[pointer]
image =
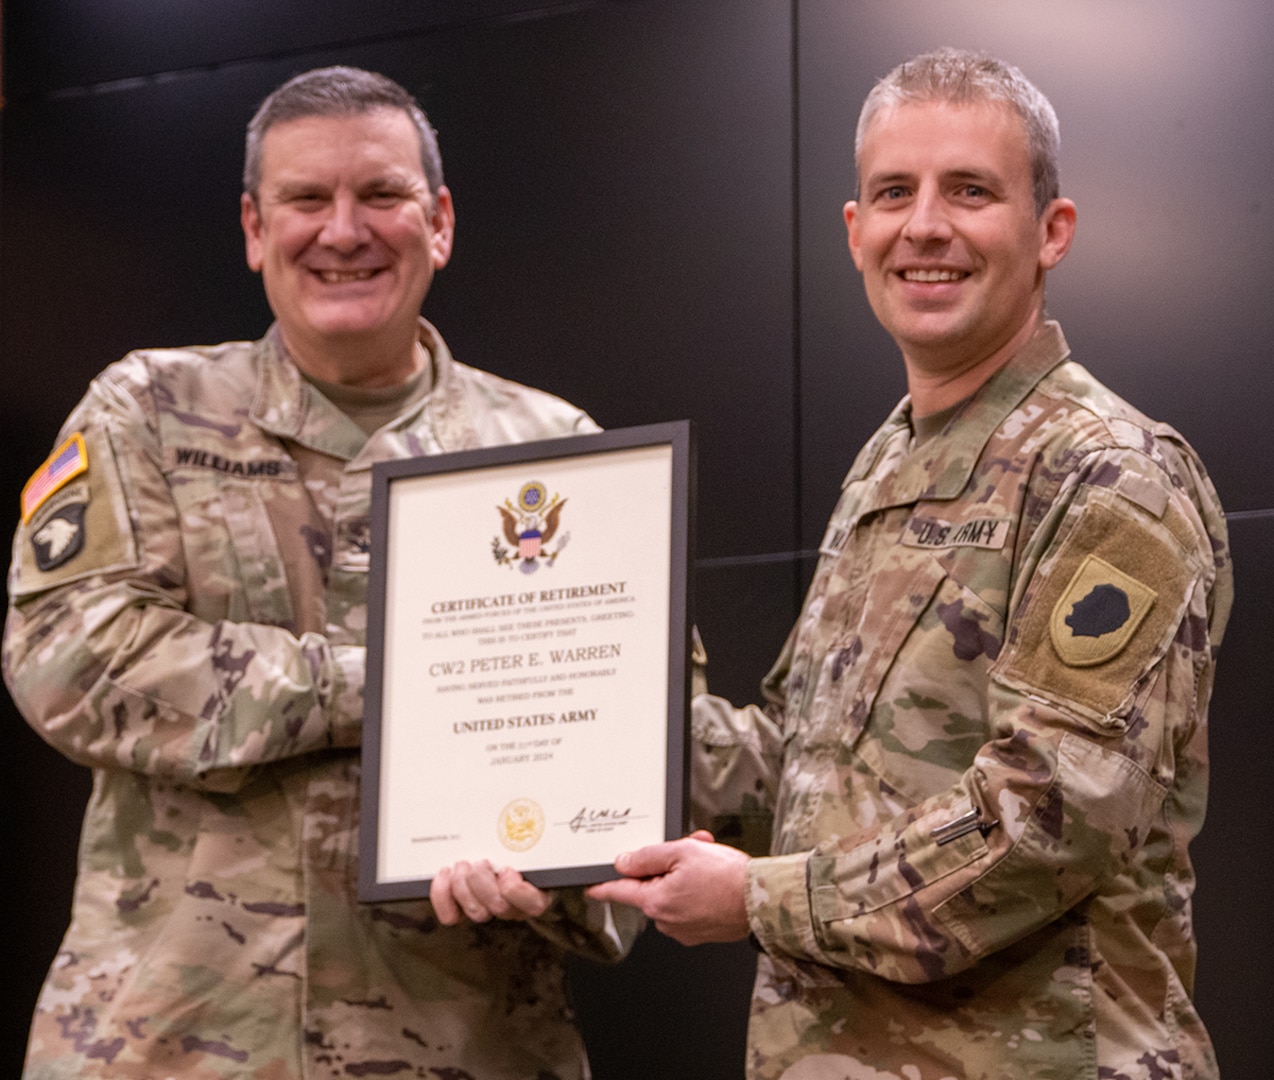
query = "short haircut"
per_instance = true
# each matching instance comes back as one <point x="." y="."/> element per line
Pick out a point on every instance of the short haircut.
<point x="337" y="91"/>
<point x="959" y="76"/>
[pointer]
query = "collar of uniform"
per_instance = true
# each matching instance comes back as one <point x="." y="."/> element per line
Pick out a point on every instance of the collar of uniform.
<point x="287" y="405"/>
<point x="940" y="468"/>
<point x="440" y="423"/>
<point x="446" y="406"/>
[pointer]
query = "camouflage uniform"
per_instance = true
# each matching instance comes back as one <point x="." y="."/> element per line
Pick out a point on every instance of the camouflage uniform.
<point x="202" y="649"/>
<point x="984" y="751"/>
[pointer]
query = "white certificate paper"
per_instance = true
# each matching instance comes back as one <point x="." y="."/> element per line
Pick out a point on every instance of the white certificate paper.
<point x="526" y="685"/>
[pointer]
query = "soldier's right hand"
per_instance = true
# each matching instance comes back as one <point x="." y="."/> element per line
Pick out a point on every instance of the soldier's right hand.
<point x="478" y="892"/>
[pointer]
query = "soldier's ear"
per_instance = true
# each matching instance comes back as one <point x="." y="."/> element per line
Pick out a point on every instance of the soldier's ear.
<point x="250" y="219"/>
<point x="851" y="224"/>
<point x="1057" y="230"/>
<point x="443" y="224"/>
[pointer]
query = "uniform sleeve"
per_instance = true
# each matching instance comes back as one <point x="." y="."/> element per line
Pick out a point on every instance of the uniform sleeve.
<point x="735" y="755"/>
<point x="1097" y="713"/>
<point x="100" y="652"/>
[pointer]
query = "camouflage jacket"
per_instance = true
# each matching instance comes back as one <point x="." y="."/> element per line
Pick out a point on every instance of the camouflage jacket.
<point x="984" y="751"/>
<point x="187" y="617"/>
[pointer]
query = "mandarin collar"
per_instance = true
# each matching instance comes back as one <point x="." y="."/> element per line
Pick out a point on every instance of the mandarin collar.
<point x="940" y="469"/>
<point x="286" y="404"/>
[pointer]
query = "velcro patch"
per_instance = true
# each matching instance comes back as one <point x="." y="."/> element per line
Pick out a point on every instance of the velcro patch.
<point x="65" y="463"/>
<point x="1072" y="643"/>
<point x="81" y="527"/>
<point x="1098" y="613"/>
<point x="929" y="532"/>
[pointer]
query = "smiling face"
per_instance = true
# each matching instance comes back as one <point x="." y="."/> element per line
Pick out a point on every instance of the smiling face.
<point x="945" y="233"/>
<point x="347" y="237"/>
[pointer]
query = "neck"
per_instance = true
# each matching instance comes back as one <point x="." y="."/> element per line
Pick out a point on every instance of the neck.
<point x="358" y="362"/>
<point x="937" y="383"/>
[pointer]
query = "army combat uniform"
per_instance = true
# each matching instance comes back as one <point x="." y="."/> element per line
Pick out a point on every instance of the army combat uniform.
<point x="187" y="617"/>
<point x="984" y="752"/>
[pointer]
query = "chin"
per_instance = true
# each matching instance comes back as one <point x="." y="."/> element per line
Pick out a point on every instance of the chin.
<point x="346" y="324"/>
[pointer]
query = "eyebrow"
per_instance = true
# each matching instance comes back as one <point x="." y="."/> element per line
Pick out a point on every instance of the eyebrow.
<point x="984" y="176"/>
<point x="290" y="188"/>
<point x="391" y="180"/>
<point x="293" y="187"/>
<point x="888" y="179"/>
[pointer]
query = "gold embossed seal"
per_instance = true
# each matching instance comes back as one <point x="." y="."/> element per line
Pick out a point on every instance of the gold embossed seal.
<point x="521" y="824"/>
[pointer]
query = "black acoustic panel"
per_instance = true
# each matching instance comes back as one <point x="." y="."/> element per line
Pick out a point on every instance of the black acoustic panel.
<point x="119" y="218"/>
<point x="1163" y="293"/>
<point x="1235" y="982"/>
<point x="744" y="613"/>
<point x="42" y="798"/>
<point x="622" y="178"/>
<point x="667" y="1011"/>
<point x="624" y="232"/>
<point x="71" y="46"/>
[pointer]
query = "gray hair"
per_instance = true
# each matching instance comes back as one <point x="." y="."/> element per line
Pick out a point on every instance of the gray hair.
<point x="959" y="77"/>
<point x="337" y="91"/>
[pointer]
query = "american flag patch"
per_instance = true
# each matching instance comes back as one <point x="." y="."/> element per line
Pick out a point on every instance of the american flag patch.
<point x="64" y="465"/>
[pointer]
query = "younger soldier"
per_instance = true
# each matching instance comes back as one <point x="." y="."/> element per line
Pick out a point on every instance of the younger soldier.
<point x="984" y="745"/>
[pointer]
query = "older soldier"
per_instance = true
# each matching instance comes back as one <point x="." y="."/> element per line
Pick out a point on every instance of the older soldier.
<point x="984" y="744"/>
<point x="187" y="618"/>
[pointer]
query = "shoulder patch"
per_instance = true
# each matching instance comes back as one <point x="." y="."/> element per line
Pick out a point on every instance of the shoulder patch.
<point x="79" y="521"/>
<point x="1102" y="608"/>
<point x="1098" y="613"/>
<point x="65" y="463"/>
<point x="61" y="536"/>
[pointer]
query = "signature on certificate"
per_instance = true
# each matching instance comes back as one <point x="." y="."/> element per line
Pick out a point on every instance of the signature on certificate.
<point x="599" y="820"/>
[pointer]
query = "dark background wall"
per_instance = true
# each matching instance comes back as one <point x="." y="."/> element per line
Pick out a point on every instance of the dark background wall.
<point x="649" y="199"/>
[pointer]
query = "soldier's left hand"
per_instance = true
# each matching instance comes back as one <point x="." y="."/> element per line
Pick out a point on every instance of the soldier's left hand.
<point x="479" y="892"/>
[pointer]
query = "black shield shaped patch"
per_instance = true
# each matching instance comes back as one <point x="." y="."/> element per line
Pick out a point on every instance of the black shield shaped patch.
<point x="60" y="538"/>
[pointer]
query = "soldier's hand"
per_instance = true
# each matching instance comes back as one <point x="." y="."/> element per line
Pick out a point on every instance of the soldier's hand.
<point x="478" y="892"/>
<point x="692" y="888"/>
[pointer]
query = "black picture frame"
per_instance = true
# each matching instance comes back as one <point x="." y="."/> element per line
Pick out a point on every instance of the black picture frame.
<point x="589" y="453"/>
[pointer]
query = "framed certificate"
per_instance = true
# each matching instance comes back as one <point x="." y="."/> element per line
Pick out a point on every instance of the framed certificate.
<point x="527" y="658"/>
